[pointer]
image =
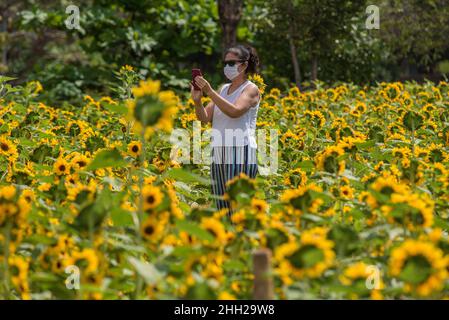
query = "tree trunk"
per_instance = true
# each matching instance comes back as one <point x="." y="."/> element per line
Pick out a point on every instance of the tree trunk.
<point x="230" y="13"/>
<point x="314" y="67"/>
<point x="3" y="29"/>
<point x="295" y="62"/>
<point x="293" y="52"/>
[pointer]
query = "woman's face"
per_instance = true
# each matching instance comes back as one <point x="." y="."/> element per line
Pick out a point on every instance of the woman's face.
<point x="230" y="56"/>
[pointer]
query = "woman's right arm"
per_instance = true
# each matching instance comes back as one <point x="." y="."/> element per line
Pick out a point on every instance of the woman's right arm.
<point x="203" y="114"/>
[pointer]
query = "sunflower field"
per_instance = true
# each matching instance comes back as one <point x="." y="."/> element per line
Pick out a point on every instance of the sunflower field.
<point x="358" y="208"/>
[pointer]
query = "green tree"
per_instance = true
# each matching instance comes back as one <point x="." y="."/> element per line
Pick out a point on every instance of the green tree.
<point x="415" y="32"/>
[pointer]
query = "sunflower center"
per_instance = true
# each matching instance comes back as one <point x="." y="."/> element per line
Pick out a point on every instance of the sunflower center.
<point x="212" y="231"/>
<point x="149" y="230"/>
<point x="4" y="147"/>
<point x="416" y="270"/>
<point x="135" y="148"/>
<point x="14" y="271"/>
<point x="306" y="257"/>
<point x="387" y="190"/>
<point x="150" y="199"/>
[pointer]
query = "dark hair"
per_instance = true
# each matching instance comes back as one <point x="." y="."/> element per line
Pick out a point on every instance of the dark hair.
<point x="246" y="53"/>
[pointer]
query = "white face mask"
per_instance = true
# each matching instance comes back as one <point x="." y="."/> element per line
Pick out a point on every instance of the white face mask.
<point x="231" y="72"/>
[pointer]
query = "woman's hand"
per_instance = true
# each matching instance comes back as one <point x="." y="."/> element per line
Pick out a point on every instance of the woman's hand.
<point x="196" y="94"/>
<point x="203" y="84"/>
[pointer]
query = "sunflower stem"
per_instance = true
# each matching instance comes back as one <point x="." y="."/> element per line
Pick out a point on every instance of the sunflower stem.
<point x="413" y="158"/>
<point x="7" y="236"/>
<point x="139" y="280"/>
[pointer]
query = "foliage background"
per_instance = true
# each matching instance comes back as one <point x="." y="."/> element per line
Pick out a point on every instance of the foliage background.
<point x="165" y="39"/>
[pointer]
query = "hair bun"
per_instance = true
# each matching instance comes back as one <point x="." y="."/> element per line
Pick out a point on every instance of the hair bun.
<point x="247" y="53"/>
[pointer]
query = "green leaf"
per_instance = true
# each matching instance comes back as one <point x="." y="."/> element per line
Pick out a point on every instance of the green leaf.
<point x="116" y="108"/>
<point x="107" y="158"/>
<point x="412" y="120"/>
<point x="306" y="165"/>
<point x="185" y="176"/>
<point x="306" y="257"/>
<point x="121" y="218"/>
<point x="416" y="270"/>
<point x="201" y="291"/>
<point x="147" y="271"/>
<point x="366" y="144"/>
<point x="183" y="251"/>
<point x="193" y="229"/>
<point x="4" y="78"/>
<point x="234" y="265"/>
<point x="439" y="222"/>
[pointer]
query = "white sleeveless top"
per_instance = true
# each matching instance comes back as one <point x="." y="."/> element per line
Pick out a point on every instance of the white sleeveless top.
<point x="227" y="131"/>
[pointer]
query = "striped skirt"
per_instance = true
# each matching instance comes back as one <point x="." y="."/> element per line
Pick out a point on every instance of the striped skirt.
<point x="228" y="162"/>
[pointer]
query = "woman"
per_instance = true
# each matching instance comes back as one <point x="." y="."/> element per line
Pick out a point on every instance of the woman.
<point x="233" y="113"/>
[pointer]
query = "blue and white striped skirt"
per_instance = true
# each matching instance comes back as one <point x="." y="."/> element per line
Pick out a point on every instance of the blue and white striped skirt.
<point x="228" y="162"/>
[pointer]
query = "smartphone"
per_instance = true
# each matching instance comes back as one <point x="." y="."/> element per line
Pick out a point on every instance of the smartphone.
<point x="196" y="73"/>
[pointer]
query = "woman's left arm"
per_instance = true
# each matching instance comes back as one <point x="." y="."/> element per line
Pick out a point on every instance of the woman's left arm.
<point x="249" y="98"/>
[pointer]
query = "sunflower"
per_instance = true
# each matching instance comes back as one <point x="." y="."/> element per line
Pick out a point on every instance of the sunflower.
<point x="59" y="261"/>
<point x="289" y="136"/>
<point x="216" y="229"/>
<point x="315" y="117"/>
<point x="332" y="94"/>
<point x="368" y="198"/>
<point x="135" y="148"/>
<point x="294" y="92"/>
<point x="61" y="167"/>
<point x="79" y="162"/>
<point x="8" y="149"/>
<point x="296" y="177"/>
<point x="77" y="128"/>
<point x="346" y="192"/>
<point x="420" y="265"/>
<point x="174" y="202"/>
<point x="28" y="195"/>
<point x="238" y="219"/>
<point x="391" y="92"/>
<point x="152" y="197"/>
<point x="287" y="102"/>
<point x="356" y="276"/>
<point x="349" y="144"/>
<point x="18" y="267"/>
<point x="241" y="188"/>
<point x="186" y="238"/>
<point x="259" y="206"/>
<point x="259" y="82"/>
<point x="151" y="229"/>
<point x="387" y="185"/>
<point x="79" y="193"/>
<point x="87" y="259"/>
<point x="152" y="109"/>
<point x="302" y="198"/>
<point x="13" y="207"/>
<point x="72" y="180"/>
<point x="436" y="153"/>
<point x="328" y="160"/>
<point x="410" y="209"/>
<point x="213" y="266"/>
<point x="275" y="92"/>
<point x="8" y="192"/>
<point x="308" y="257"/>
